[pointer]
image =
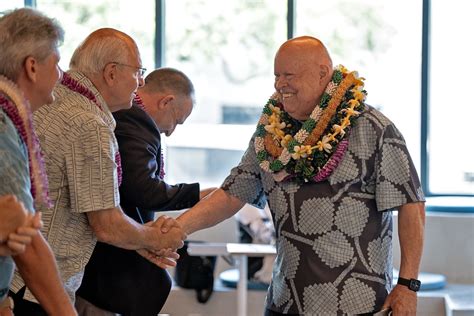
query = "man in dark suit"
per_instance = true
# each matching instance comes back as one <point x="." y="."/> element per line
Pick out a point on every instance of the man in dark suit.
<point x="165" y="101"/>
<point x="119" y="280"/>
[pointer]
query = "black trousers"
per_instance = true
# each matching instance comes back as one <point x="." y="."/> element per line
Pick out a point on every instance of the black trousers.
<point x="122" y="281"/>
<point x="24" y="307"/>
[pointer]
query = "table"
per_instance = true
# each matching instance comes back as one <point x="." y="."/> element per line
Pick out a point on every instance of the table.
<point x="241" y="252"/>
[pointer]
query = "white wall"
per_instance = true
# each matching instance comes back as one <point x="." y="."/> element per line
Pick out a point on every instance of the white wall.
<point x="448" y="247"/>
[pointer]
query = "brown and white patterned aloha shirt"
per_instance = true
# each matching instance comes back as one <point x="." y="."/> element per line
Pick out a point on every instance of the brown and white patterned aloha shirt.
<point x="334" y="238"/>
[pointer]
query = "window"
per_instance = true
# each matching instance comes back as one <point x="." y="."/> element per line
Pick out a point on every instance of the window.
<point x="10" y="5"/>
<point x="370" y="37"/>
<point x="226" y="48"/>
<point x="81" y="17"/>
<point x="450" y="147"/>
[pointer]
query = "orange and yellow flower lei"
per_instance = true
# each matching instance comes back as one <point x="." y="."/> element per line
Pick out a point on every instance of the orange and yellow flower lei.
<point x="307" y="153"/>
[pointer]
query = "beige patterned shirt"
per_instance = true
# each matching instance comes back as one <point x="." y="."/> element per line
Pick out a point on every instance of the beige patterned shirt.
<point x="79" y="147"/>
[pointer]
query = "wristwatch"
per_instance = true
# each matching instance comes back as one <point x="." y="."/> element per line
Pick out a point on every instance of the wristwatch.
<point x="412" y="284"/>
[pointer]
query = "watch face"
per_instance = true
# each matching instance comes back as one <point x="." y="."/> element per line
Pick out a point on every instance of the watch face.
<point x="414" y="285"/>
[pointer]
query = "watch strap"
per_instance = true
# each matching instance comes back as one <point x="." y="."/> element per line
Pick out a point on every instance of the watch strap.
<point x="412" y="284"/>
<point x="403" y="281"/>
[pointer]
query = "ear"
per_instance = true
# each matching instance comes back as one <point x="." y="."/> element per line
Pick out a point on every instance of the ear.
<point x="31" y="68"/>
<point x="165" y="101"/>
<point x="110" y="74"/>
<point x="323" y="71"/>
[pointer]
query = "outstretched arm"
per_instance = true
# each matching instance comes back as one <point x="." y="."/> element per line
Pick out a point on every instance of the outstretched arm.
<point x="411" y="225"/>
<point x="216" y="207"/>
<point x="205" y="192"/>
<point x="112" y="226"/>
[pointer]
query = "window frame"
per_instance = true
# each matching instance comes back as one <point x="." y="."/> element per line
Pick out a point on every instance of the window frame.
<point x="159" y="47"/>
<point x="425" y="106"/>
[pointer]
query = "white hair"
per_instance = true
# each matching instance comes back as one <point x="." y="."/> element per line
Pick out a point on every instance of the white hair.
<point x="26" y="32"/>
<point x="101" y="47"/>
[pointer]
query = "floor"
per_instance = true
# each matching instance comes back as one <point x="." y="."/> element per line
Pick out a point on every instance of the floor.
<point x="453" y="300"/>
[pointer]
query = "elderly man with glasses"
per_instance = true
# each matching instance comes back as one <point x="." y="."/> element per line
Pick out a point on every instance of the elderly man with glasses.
<point x="165" y="101"/>
<point x="82" y="159"/>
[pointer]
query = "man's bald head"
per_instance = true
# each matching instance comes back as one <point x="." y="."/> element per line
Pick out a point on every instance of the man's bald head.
<point x="308" y="47"/>
<point x="111" y="60"/>
<point x="101" y="47"/>
<point x="303" y="68"/>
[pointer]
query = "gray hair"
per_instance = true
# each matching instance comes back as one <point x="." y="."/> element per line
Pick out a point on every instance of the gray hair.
<point x="169" y="80"/>
<point x="26" y="32"/>
<point x="102" y="47"/>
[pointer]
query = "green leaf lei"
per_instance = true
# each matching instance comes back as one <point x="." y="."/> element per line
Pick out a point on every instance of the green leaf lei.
<point x="312" y="152"/>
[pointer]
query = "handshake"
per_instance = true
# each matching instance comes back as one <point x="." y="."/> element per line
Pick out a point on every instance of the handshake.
<point x="17" y="226"/>
<point x="167" y="236"/>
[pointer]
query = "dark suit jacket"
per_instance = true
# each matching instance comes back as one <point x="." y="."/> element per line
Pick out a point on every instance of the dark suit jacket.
<point x="120" y="280"/>
<point x="140" y="149"/>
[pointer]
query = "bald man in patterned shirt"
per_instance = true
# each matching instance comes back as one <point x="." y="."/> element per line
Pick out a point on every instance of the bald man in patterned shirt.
<point x="333" y="170"/>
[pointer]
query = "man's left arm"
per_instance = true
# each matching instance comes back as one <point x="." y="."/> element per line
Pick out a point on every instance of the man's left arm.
<point x="411" y="225"/>
<point x="38" y="269"/>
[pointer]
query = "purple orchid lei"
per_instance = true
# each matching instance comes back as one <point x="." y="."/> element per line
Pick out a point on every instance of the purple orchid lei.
<point x="139" y="102"/>
<point x="24" y="126"/>
<point x="333" y="162"/>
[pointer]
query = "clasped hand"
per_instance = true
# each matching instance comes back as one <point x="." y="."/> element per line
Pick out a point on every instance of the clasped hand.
<point x="169" y="237"/>
<point x="17" y="226"/>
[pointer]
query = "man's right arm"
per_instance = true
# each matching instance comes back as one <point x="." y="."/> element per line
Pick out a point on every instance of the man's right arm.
<point x="216" y="207"/>
<point x="112" y="226"/>
<point x="205" y="192"/>
<point x="221" y="204"/>
<point x="38" y="269"/>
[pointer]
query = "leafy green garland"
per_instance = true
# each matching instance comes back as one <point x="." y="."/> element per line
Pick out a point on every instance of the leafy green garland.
<point x="313" y="151"/>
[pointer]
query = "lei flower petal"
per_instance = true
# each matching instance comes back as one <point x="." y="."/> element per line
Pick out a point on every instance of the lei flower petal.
<point x="313" y="152"/>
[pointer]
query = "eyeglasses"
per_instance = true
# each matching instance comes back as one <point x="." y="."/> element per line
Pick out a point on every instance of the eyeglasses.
<point x="140" y="70"/>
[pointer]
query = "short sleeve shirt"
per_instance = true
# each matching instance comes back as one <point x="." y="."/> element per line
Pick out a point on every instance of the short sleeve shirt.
<point x="14" y="179"/>
<point x="334" y="238"/>
<point x="79" y="148"/>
